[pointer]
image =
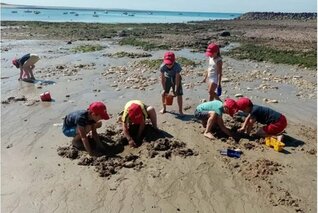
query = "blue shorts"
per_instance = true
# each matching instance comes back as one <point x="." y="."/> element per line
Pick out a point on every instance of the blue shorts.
<point x="204" y="115"/>
<point x="69" y="131"/>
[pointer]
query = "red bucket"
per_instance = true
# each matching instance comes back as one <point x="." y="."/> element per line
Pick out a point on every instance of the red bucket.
<point x="46" y="96"/>
<point x="169" y="99"/>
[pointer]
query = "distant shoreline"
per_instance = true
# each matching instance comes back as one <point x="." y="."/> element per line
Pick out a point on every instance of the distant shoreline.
<point x="4" y="5"/>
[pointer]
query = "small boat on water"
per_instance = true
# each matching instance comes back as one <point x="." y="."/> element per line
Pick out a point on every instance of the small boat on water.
<point x="37" y="12"/>
<point x="76" y="14"/>
<point x="131" y="14"/>
<point x="125" y="13"/>
<point x="28" y="11"/>
<point x="65" y="13"/>
<point x="95" y="15"/>
<point x="72" y="12"/>
<point x="14" y="11"/>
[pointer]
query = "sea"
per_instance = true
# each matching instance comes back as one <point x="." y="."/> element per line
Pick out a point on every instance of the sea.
<point x="108" y="16"/>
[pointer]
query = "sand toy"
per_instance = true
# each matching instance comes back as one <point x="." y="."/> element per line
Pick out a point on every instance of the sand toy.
<point x="273" y="142"/>
<point x="169" y="99"/>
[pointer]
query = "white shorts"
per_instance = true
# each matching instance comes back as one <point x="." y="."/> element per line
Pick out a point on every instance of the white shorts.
<point x="213" y="79"/>
<point x="32" y="60"/>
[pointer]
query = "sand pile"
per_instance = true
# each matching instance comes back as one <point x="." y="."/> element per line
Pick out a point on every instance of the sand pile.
<point x="112" y="159"/>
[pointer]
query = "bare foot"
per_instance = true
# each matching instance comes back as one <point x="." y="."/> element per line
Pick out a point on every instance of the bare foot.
<point x="163" y="111"/>
<point x="208" y="135"/>
<point x="181" y="113"/>
<point x="280" y="138"/>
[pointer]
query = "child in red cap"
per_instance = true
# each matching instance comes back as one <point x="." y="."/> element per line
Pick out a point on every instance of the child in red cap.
<point x="171" y="79"/>
<point x="210" y="113"/>
<point x="26" y="66"/>
<point x="80" y="123"/>
<point x="275" y="122"/>
<point x="214" y="72"/>
<point x="136" y="112"/>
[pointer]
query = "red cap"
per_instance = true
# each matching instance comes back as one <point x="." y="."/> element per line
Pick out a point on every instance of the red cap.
<point x="243" y="103"/>
<point x="212" y="48"/>
<point x="99" y="108"/>
<point x="169" y="58"/>
<point x="135" y="113"/>
<point x="231" y="105"/>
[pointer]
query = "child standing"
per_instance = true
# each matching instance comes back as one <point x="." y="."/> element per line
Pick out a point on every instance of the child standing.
<point x="210" y="113"/>
<point x="171" y="78"/>
<point x="136" y="112"/>
<point x="275" y="122"/>
<point x="80" y="123"/>
<point x="26" y="65"/>
<point x="214" y="72"/>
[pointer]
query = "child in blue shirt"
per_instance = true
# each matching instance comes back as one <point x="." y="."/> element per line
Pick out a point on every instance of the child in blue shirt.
<point x="79" y="123"/>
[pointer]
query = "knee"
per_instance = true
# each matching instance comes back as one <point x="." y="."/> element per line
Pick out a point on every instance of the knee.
<point x="150" y="109"/>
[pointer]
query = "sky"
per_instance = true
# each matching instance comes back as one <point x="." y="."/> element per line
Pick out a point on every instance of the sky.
<point x="240" y="6"/>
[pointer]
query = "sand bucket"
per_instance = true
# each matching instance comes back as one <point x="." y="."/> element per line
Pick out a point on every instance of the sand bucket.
<point x="46" y="96"/>
<point x="169" y="99"/>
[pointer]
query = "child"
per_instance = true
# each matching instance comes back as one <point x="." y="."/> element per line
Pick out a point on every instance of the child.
<point x="136" y="112"/>
<point x="79" y="123"/>
<point x="26" y="65"/>
<point x="275" y="122"/>
<point x="210" y="113"/>
<point x="171" y="78"/>
<point x="214" y="73"/>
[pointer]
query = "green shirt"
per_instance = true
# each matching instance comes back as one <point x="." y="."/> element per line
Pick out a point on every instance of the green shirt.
<point x="216" y="106"/>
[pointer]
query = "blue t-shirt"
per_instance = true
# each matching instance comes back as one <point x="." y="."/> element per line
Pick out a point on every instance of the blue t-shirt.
<point x="264" y="115"/>
<point x="216" y="106"/>
<point x="23" y="59"/>
<point x="170" y="73"/>
<point x="78" y="118"/>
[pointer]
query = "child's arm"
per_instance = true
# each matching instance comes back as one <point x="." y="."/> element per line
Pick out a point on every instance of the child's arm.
<point x="21" y="73"/>
<point x="224" y="128"/>
<point x="131" y="141"/>
<point x="205" y="76"/>
<point x="82" y="133"/>
<point x="219" y="70"/>
<point x="244" y="126"/>
<point x="163" y="81"/>
<point x="95" y="135"/>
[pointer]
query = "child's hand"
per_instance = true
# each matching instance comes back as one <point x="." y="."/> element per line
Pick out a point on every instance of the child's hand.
<point x="241" y="129"/>
<point x="132" y="143"/>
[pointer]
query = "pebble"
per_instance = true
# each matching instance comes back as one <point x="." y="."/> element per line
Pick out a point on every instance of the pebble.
<point x="238" y="95"/>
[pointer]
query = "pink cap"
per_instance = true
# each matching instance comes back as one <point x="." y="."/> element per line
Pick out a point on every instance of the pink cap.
<point x="135" y="113"/>
<point x="212" y="48"/>
<point x="99" y="108"/>
<point x="169" y="58"/>
<point x="231" y="105"/>
<point x="243" y="103"/>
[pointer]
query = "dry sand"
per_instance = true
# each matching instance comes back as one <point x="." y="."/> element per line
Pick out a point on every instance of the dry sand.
<point x="36" y="179"/>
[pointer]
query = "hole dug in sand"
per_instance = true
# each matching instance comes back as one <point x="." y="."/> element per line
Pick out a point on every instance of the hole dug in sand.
<point x="113" y="159"/>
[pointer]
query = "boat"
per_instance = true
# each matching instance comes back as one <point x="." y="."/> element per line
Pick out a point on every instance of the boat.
<point x="65" y="13"/>
<point x="28" y="11"/>
<point x="37" y="12"/>
<point x="14" y="11"/>
<point x="125" y="13"/>
<point x="72" y="12"/>
<point x="95" y="15"/>
<point x="131" y="14"/>
<point x="76" y="14"/>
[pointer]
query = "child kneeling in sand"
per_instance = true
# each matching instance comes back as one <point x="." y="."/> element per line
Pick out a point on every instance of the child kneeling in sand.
<point x="26" y="65"/>
<point x="80" y="123"/>
<point x="136" y="112"/>
<point x="210" y="113"/>
<point x="275" y="122"/>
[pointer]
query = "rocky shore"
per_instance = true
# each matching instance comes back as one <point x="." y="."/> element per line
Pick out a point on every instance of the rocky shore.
<point x="277" y="16"/>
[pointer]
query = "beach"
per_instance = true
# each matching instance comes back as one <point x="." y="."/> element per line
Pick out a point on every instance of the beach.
<point x="35" y="178"/>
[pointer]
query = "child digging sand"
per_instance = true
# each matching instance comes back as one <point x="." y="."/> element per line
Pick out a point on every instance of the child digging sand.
<point x="26" y="64"/>
<point x="275" y="122"/>
<point x="80" y="123"/>
<point x="171" y="78"/>
<point x="210" y="113"/>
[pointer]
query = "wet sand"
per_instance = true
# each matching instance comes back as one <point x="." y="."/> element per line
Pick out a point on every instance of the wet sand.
<point x="36" y="179"/>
